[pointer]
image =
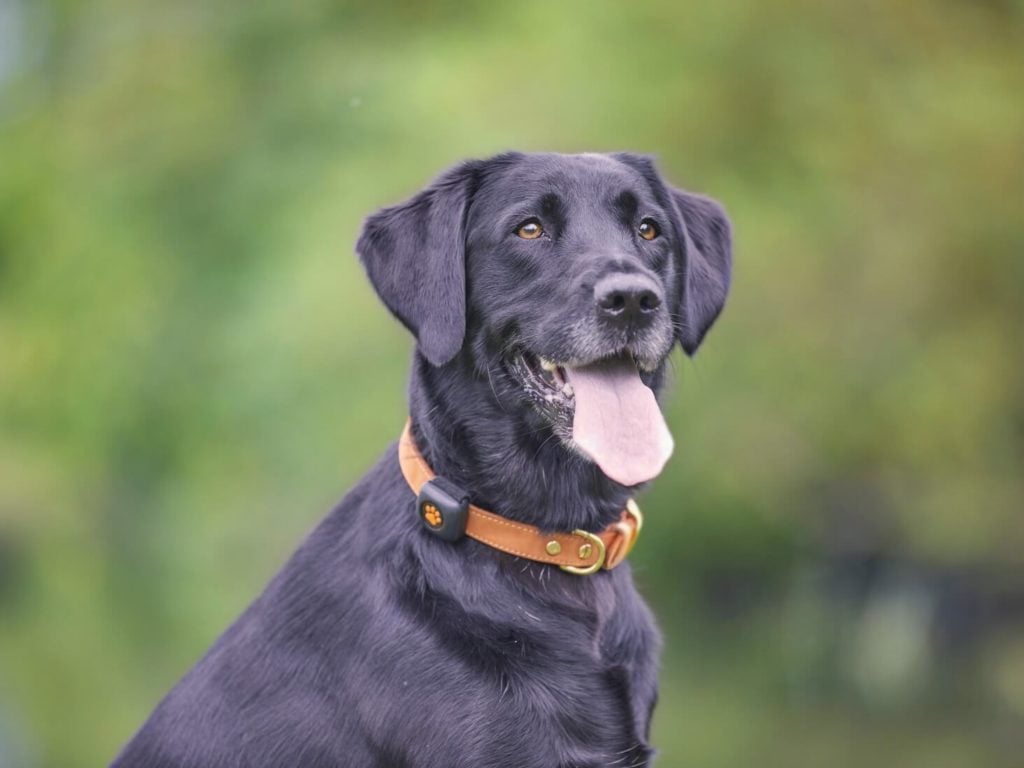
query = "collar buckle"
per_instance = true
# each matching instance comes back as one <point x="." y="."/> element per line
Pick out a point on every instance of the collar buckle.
<point x="592" y="543"/>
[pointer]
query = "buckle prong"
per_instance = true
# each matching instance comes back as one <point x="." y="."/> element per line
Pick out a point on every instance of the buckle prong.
<point x="589" y="540"/>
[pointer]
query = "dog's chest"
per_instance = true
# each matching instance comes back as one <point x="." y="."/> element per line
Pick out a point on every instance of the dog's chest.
<point x="587" y="710"/>
<point x="571" y="687"/>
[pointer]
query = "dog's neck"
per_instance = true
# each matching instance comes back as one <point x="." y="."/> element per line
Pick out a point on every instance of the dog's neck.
<point x="504" y="457"/>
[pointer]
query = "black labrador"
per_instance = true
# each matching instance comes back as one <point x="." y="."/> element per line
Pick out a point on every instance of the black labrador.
<point x="545" y="293"/>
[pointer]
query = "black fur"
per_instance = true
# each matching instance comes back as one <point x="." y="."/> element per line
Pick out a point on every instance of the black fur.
<point x="380" y="645"/>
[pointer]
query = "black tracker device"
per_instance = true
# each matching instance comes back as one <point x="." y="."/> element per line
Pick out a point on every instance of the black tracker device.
<point x="443" y="508"/>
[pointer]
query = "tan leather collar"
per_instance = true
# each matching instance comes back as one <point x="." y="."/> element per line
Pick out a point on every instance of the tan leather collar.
<point x="579" y="552"/>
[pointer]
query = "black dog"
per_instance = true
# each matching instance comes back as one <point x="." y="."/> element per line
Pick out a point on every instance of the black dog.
<point x="545" y="293"/>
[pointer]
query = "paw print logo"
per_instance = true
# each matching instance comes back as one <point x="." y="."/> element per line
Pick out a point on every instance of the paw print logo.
<point x="432" y="515"/>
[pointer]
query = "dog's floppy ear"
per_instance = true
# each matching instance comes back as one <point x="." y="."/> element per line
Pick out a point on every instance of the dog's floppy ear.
<point x="707" y="267"/>
<point x="705" y="257"/>
<point x="414" y="254"/>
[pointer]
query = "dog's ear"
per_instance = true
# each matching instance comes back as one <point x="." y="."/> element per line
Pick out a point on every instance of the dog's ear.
<point x="705" y="252"/>
<point x="707" y="266"/>
<point x="414" y="254"/>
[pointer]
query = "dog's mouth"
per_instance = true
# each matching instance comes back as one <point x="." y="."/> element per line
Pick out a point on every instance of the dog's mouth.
<point x="603" y="409"/>
<point x="545" y="383"/>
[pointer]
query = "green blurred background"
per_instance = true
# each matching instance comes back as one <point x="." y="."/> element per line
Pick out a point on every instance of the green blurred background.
<point x="193" y="367"/>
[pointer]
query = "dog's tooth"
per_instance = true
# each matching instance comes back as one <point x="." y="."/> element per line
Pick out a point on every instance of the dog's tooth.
<point x="547" y="365"/>
<point x="567" y="390"/>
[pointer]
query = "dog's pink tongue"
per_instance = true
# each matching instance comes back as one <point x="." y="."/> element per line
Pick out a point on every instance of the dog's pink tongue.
<point x="618" y="423"/>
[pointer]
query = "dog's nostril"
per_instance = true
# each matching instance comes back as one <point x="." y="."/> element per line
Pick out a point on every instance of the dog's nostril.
<point x="649" y="301"/>
<point x="613" y="302"/>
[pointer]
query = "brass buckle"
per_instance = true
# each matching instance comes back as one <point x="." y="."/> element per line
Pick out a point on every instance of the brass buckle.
<point x="590" y="541"/>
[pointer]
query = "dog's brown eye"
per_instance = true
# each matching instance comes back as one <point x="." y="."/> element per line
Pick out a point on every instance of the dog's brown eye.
<point x="648" y="229"/>
<point x="530" y="230"/>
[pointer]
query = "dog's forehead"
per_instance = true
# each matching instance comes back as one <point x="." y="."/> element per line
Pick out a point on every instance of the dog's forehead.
<point x="585" y="177"/>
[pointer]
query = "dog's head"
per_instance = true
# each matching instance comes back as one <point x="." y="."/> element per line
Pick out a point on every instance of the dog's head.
<point x="565" y="280"/>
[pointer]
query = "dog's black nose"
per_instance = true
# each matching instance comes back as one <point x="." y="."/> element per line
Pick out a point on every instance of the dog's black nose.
<point x="627" y="299"/>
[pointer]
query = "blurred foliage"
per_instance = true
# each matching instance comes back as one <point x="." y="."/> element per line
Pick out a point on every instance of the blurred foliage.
<point x="193" y="368"/>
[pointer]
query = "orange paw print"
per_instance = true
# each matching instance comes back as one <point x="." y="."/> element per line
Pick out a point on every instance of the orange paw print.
<point x="432" y="515"/>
